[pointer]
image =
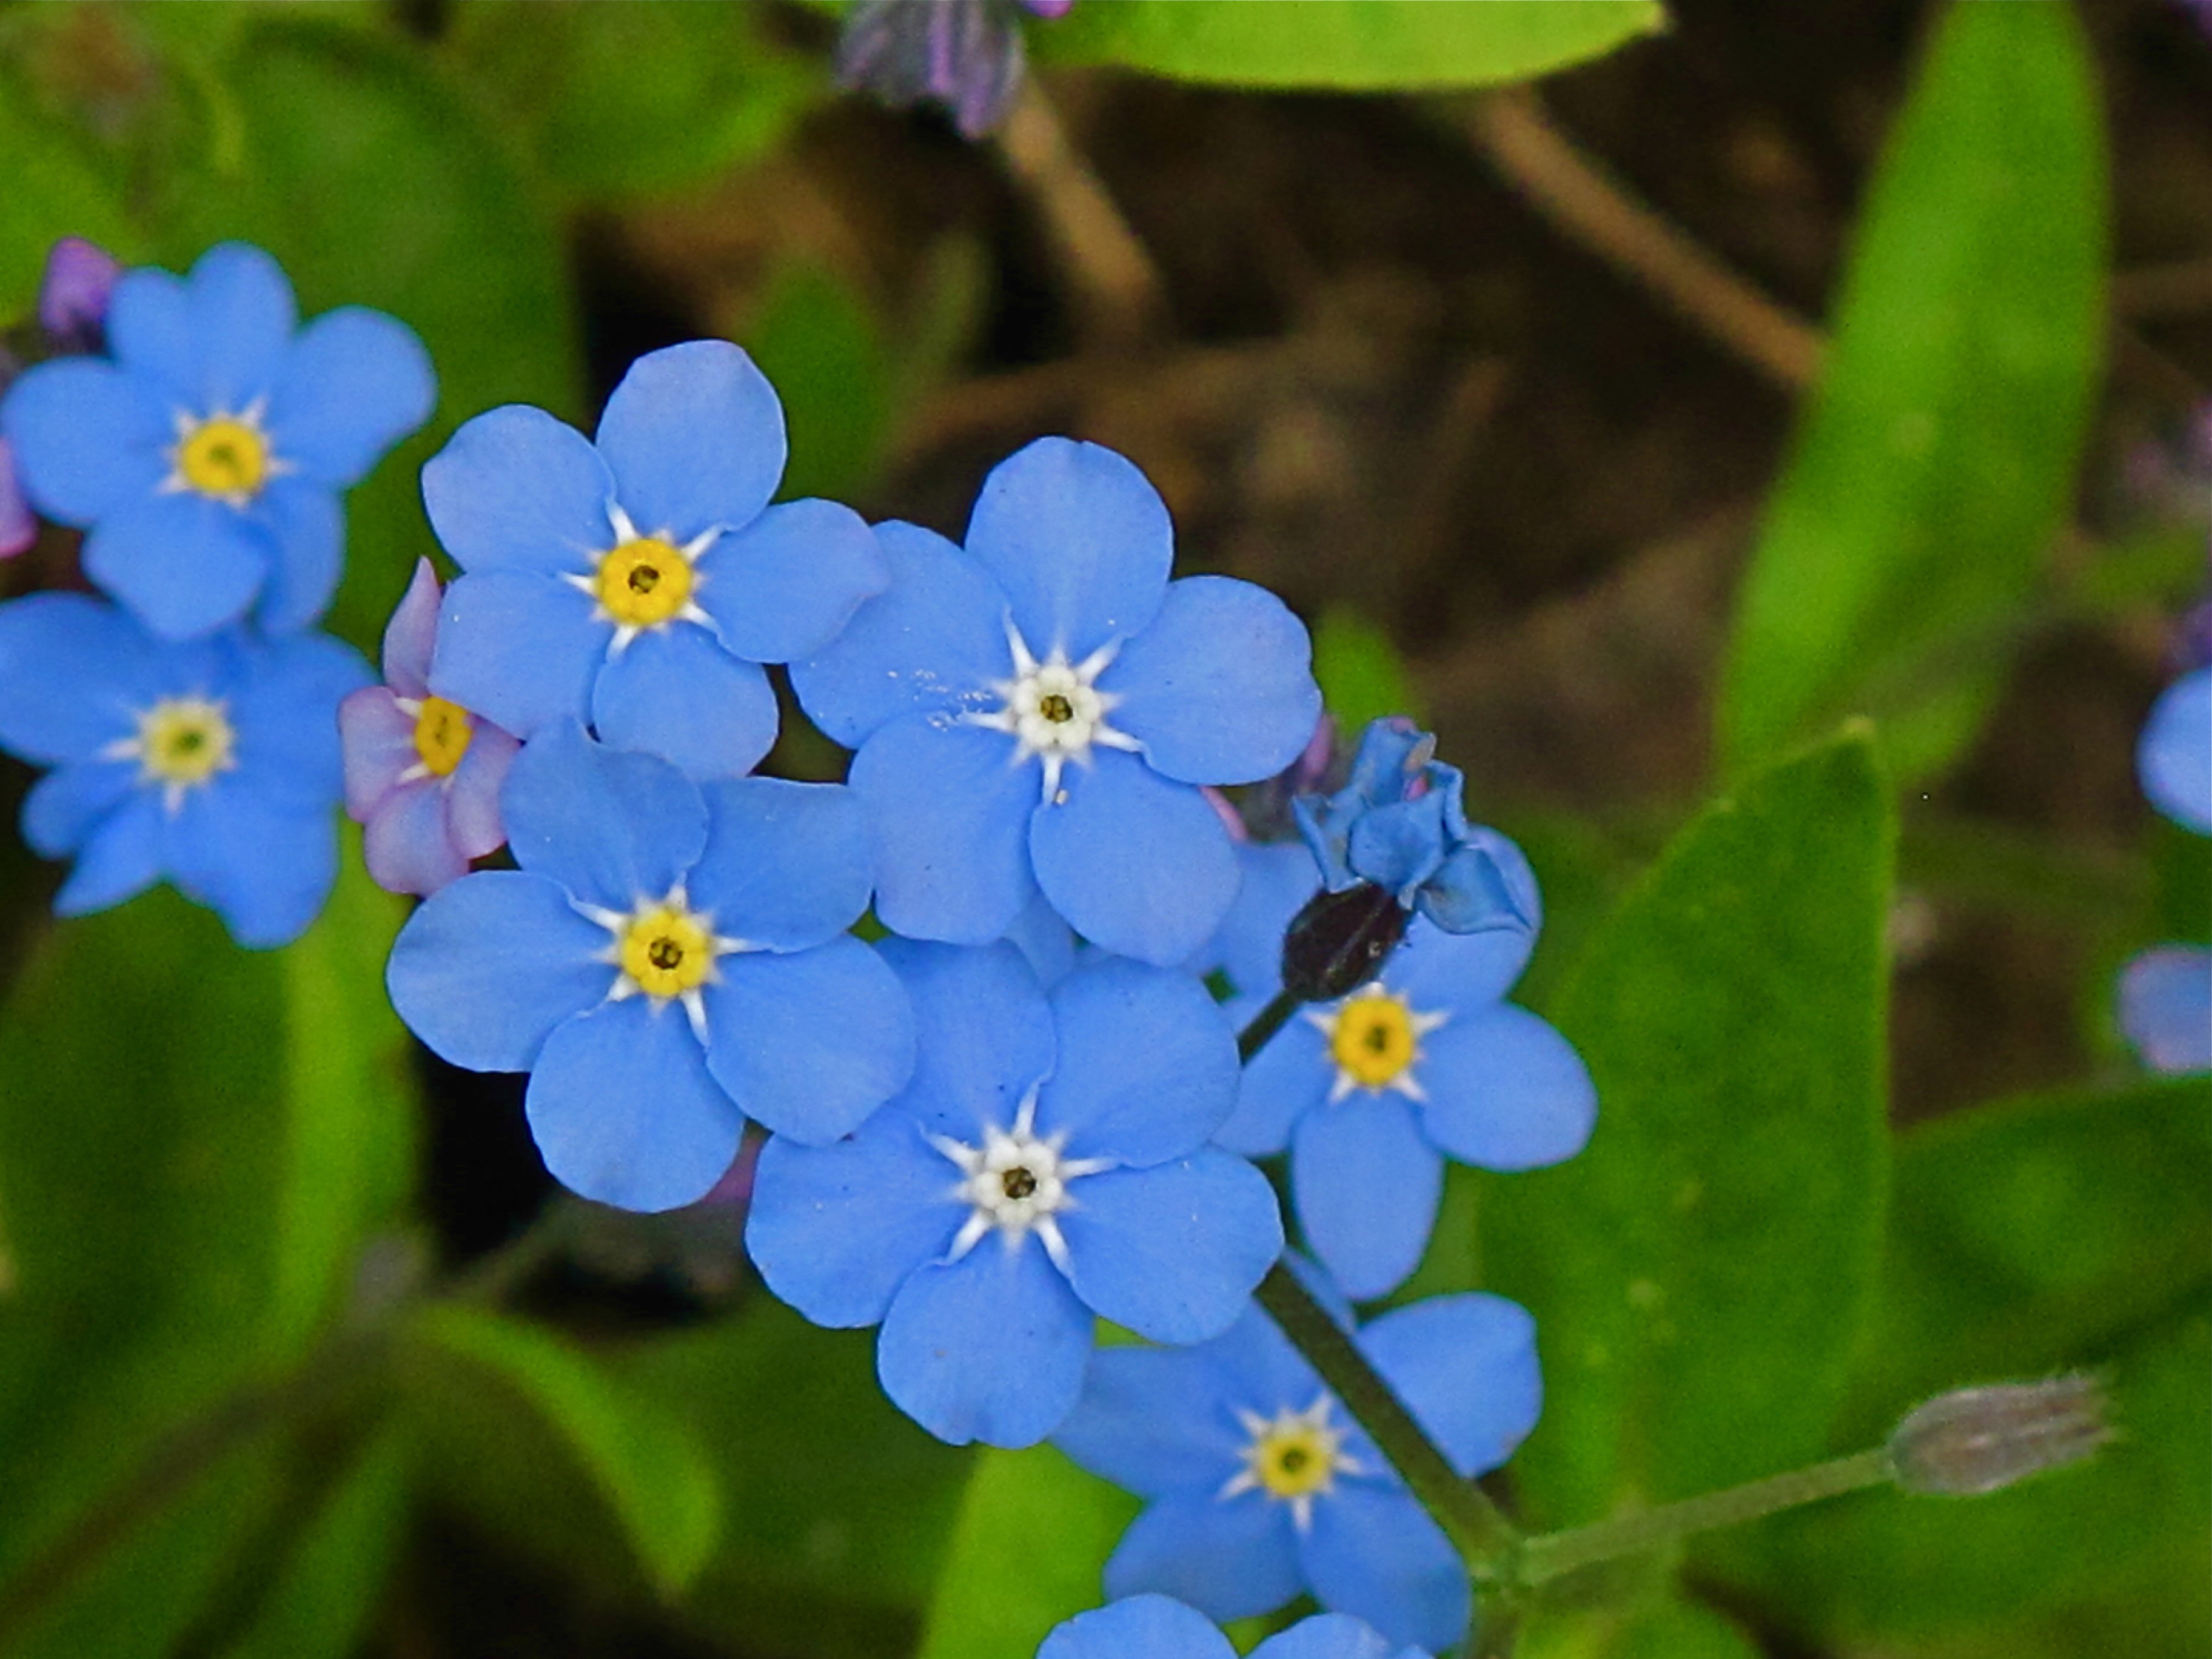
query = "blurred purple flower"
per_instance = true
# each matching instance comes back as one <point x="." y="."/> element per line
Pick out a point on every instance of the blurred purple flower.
<point x="73" y="298"/>
<point x="19" y="526"/>
<point x="965" y="55"/>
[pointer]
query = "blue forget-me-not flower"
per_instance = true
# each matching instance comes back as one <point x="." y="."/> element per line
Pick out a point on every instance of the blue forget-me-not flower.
<point x="635" y="582"/>
<point x="205" y="456"/>
<point x="1035" y="712"/>
<point x="1158" y="1628"/>
<point x="669" y="959"/>
<point x="211" y="763"/>
<point x="2165" y="994"/>
<point x="1047" y="1162"/>
<point x="1259" y="1487"/>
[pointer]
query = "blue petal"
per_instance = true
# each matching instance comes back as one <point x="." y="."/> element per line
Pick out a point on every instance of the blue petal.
<point x="405" y="842"/>
<point x="1219" y="688"/>
<point x="1466" y="1367"/>
<point x="1228" y="1558"/>
<point x="1373" y="1553"/>
<point x="948" y="812"/>
<point x="1274" y="881"/>
<point x="184" y="564"/>
<point x="72" y="672"/>
<point x="1138" y="864"/>
<point x="810" y="1044"/>
<point x="1265" y="1374"/>
<point x="1138" y="1627"/>
<point x="354" y="383"/>
<point x="1045" y="941"/>
<point x="932" y="643"/>
<point x="2166" y="1005"/>
<point x="694" y="437"/>
<point x="1484" y="884"/>
<point x="1434" y="969"/>
<point x="265" y="866"/>
<point x="65" y="807"/>
<point x="623" y="1111"/>
<point x="676" y="693"/>
<point x="784" y="586"/>
<point x="1505" y="1090"/>
<point x="2174" y="756"/>
<point x="308" y="527"/>
<point x="238" y="307"/>
<point x="1367" y="1185"/>
<point x="983" y="1035"/>
<point x="836" y="1229"/>
<point x="614" y="829"/>
<point x="515" y="490"/>
<point x="786" y="865"/>
<point x="1329" y="1635"/>
<point x="1137" y="1102"/>
<point x="990" y="1347"/>
<point x="1288" y="1078"/>
<point x="1173" y="1252"/>
<point x="123" y="857"/>
<point x="485" y="968"/>
<point x="1155" y="1420"/>
<point x="1078" y="540"/>
<point x="87" y="438"/>
<point x="519" y="649"/>
<point x="152" y="335"/>
<point x="284" y="709"/>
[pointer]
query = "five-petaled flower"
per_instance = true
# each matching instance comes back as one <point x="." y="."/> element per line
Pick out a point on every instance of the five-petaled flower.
<point x="635" y="583"/>
<point x="1036" y="711"/>
<point x="1259" y="1487"/>
<point x="1158" y="1628"/>
<point x="206" y="458"/>
<point x="1047" y="1163"/>
<point x="211" y="762"/>
<point x="669" y="959"/>
<point x="2165" y="993"/>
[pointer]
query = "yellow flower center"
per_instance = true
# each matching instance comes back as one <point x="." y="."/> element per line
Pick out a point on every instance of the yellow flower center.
<point x="1373" y="1040"/>
<point x="644" y="581"/>
<point x="442" y="732"/>
<point x="183" y="741"/>
<point x="1295" y="1461"/>
<point x="666" y="951"/>
<point x="223" y="458"/>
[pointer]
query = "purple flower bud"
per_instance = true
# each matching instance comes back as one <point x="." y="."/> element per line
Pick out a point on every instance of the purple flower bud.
<point x="965" y="55"/>
<point x="1973" y="1441"/>
<point x="73" y="298"/>
<point x="19" y="526"/>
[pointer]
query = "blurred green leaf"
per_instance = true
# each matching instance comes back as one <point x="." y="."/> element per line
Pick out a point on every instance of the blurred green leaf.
<point x="1362" y="676"/>
<point x="1373" y="44"/>
<point x="1699" y="1274"/>
<point x="643" y="1463"/>
<point x="814" y="336"/>
<point x="55" y="187"/>
<point x="320" y="1605"/>
<point x="1665" y="1630"/>
<point x="1033" y="1537"/>
<point x="1937" y="461"/>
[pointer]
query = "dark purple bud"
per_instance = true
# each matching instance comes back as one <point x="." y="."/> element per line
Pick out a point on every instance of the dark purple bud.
<point x="73" y="298"/>
<point x="1338" y="941"/>
<point x="1048" y="7"/>
<point x="1976" y="1440"/>
<point x="965" y="55"/>
<point x="19" y="526"/>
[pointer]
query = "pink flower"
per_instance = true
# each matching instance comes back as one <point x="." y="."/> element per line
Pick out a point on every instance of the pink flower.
<point x="421" y="774"/>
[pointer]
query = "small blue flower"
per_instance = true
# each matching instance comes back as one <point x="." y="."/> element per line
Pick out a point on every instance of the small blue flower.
<point x="635" y="583"/>
<point x="1047" y="1163"/>
<point x="2173" y="758"/>
<point x="1372" y="1092"/>
<point x="669" y="959"/>
<point x="2165" y="994"/>
<point x="1156" y="1627"/>
<point x="1397" y="823"/>
<point x="212" y="764"/>
<point x="206" y="460"/>
<point x="1259" y="1487"/>
<point x="965" y="55"/>
<point x="1037" y="712"/>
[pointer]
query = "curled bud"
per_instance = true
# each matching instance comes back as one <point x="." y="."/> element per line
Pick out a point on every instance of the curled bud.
<point x="1338" y="942"/>
<point x="1976" y="1440"/>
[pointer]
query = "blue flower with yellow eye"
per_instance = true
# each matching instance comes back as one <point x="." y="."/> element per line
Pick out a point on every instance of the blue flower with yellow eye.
<point x="635" y="581"/>
<point x="205" y="455"/>
<point x="1035" y="711"/>
<point x="1156" y="1627"/>
<point x="1046" y="1166"/>
<point x="670" y="959"/>
<point x="210" y="763"/>
<point x="1258" y="1487"/>
<point x="2165" y="994"/>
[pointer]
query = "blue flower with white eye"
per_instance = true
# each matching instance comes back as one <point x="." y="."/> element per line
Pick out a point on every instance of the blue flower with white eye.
<point x="1259" y="1487"/>
<point x="1156" y="1627"/>
<point x="1036" y="711"/>
<point x="670" y="959"/>
<point x="634" y="582"/>
<point x="1372" y="1093"/>
<point x="210" y="763"/>
<point x="2165" y="994"/>
<point x="206" y="458"/>
<point x="1047" y="1165"/>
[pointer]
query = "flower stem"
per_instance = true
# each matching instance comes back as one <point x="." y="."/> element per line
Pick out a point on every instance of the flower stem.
<point x="1486" y="1539"/>
<point x="1556" y="1553"/>
<point x="1265" y="1023"/>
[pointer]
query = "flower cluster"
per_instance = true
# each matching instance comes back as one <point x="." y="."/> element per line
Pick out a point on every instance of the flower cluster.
<point x="2165" y="993"/>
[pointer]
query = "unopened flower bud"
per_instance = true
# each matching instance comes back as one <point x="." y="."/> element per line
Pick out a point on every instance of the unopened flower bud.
<point x="1338" y="942"/>
<point x="1978" y="1440"/>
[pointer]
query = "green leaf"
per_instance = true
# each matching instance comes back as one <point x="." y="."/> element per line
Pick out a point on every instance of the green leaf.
<point x="1366" y="44"/>
<point x="1937" y="461"/>
<point x="56" y="188"/>
<point x="1033" y="1537"/>
<point x="814" y="336"/>
<point x="1664" y="1630"/>
<point x="643" y="1464"/>
<point x="1698" y="1274"/>
<point x="1362" y="676"/>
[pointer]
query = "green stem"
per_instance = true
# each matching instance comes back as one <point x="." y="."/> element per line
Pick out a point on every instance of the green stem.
<point x="1265" y="1023"/>
<point x="1550" y="1557"/>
